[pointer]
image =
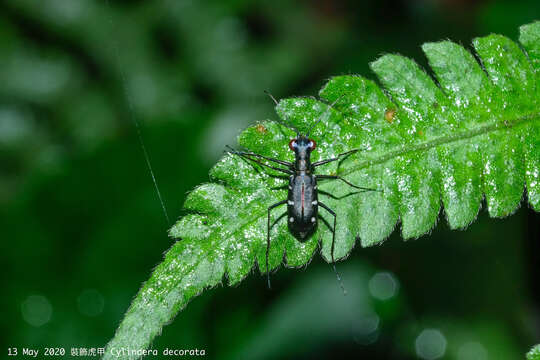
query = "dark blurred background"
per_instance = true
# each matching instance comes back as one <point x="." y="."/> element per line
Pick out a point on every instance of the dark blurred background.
<point x="82" y="227"/>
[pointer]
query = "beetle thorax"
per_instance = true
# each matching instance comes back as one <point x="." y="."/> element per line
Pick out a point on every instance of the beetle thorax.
<point x="302" y="147"/>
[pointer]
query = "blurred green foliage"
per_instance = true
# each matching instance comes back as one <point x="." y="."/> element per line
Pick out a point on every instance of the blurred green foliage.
<point x="82" y="227"/>
<point x="534" y="354"/>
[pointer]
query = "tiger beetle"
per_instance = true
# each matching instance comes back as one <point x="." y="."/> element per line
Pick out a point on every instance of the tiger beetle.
<point x="302" y="199"/>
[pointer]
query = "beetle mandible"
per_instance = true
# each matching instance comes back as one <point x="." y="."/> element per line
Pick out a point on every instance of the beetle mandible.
<point x="302" y="198"/>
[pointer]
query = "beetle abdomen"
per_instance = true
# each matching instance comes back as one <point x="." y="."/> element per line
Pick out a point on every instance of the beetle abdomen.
<point x="302" y="205"/>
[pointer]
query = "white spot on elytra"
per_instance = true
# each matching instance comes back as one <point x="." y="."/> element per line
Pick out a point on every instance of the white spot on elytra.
<point x="314" y="202"/>
<point x="290" y="202"/>
<point x="291" y="219"/>
<point x="313" y="219"/>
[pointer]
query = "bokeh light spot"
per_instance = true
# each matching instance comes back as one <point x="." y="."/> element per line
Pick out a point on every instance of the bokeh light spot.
<point x="365" y="329"/>
<point x="430" y="344"/>
<point x="36" y="310"/>
<point x="383" y="286"/>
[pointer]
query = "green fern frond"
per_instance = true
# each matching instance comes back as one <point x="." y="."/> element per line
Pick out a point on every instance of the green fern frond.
<point x="475" y="134"/>
<point x="534" y="354"/>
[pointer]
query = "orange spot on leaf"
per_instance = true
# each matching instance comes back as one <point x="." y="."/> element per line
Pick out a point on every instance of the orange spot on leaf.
<point x="389" y="115"/>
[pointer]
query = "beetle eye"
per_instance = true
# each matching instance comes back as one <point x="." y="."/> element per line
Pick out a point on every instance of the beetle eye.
<point x="292" y="144"/>
<point x="312" y="144"/>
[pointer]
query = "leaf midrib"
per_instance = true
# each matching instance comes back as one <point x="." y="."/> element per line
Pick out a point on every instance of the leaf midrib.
<point x="204" y="255"/>
<point x="443" y="140"/>
<point x="481" y="130"/>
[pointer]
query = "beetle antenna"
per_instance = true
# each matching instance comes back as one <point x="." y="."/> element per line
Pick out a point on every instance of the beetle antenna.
<point x="271" y="97"/>
<point x="324" y="114"/>
<point x="284" y="123"/>
<point x="340" y="281"/>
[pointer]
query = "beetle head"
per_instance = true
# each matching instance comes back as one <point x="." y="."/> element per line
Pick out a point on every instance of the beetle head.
<point x="302" y="144"/>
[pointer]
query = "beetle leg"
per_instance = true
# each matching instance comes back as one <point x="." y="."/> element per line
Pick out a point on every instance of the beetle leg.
<point x="247" y="157"/>
<point x="268" y="238"/>
<point x="322" y="162"/>
<point x="333" y="245"/>
<point x="244" y="153"/>
<point x="336" y="177"/>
